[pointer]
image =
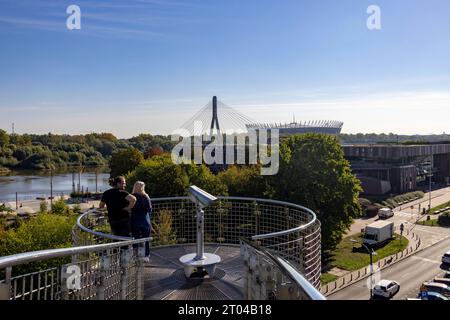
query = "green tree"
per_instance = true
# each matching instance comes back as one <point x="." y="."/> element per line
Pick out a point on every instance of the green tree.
<point x="314" y="173"/>
<point x="162" y="177"/>
<point x="122" y="162"/>
<point x="244" y="181"/>
<point x="202" y="177"/>
<point x="4" y="138"/>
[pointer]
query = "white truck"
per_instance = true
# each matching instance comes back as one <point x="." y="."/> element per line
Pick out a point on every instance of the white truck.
<point x="385" y="213"/>
<point x="378" y="232"/>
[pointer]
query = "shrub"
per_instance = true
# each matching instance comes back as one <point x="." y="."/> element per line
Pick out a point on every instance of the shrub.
<point x="44" y="231"/>
<point x="444" y="219"/>
<point x="162" y="228"/>
<point x="43" y="207"/>
<point x="60" y="207"/>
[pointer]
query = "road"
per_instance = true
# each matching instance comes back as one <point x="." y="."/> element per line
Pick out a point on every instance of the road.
<point x="404" y="214"/>
<point x="410" y="273"/>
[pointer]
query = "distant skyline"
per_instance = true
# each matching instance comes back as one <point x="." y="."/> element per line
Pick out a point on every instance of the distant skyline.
<point x="146" y="66"/>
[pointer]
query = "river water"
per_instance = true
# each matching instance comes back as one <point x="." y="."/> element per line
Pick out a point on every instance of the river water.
<point x="30" y="184"/>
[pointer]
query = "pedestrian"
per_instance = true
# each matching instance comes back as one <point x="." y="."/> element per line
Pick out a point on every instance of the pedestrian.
<point x="140" y="216"/>
<point x="119" y="204"/>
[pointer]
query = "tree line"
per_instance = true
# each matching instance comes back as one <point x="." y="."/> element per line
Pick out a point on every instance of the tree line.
<point x="30" y="151"/>
<point x="313" y="173"/>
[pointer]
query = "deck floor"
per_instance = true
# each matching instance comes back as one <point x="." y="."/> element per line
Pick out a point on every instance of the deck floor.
<point x="165" y="279"/>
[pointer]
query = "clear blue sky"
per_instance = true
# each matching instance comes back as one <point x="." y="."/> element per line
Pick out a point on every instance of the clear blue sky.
<point x="147" y="65"/>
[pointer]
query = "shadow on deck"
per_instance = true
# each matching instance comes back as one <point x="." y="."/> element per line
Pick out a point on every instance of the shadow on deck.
<point x="164" y="277"/>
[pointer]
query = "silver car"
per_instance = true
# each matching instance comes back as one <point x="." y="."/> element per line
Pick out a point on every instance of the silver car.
<point x="386" y="288"/>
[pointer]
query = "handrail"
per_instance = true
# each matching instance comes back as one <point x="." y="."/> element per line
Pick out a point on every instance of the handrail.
<point x="27" y="257"/>
<point x="96" y="233"/>
<point x="290" y="271"/>
<point x="255" y="237"/>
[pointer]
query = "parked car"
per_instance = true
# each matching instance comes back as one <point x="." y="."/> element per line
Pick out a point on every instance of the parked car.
<point x="385" y="213"/>
<point x="446" y="257"/>
<point x="433" y="296"/>
<point x="386" y="288"/>
<point x="446" y="275"/>
<point x="442" y="280"/>
<point x="435" y="287"/>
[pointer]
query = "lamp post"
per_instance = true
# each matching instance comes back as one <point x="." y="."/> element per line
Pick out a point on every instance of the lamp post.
<point x="431" y="174"/>
<point x="371" y="253"/>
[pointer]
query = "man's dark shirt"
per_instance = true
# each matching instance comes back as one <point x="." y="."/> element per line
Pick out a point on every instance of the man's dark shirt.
<point x="115" y="203"/>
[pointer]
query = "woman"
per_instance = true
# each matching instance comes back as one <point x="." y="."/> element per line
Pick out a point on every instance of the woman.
<point x="140" y="216"/>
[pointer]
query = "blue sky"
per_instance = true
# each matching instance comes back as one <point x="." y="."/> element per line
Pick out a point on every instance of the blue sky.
<point x="148" y="65"/>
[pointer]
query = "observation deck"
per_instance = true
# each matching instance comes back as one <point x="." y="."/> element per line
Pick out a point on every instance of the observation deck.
<point x="269" y="250"/>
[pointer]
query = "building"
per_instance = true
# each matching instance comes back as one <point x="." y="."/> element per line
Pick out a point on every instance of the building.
<point x="386" y="168"/>
<point x="319" y="126"/>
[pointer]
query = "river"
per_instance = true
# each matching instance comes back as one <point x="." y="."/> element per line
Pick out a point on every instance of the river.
<point x="30" y="184"/>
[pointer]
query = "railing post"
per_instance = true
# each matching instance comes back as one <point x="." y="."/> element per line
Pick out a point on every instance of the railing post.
<point x="267" y="281"/>
<point x="64" y="284"/>
<point x="5" y="288"/>
<point x="246" y="257"/>
<point x="140" y="272"/>
<point x="287" y="291"/>
<point x="125" y="258"/>
<point x="105" y="262"/>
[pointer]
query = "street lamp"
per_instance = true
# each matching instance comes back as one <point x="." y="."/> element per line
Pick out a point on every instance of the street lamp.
<point x="371" y="253"/>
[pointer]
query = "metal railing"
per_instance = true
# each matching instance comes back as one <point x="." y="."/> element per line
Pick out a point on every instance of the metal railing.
<point x="270" y="277"/>
<point x="105" y="272"/>
<point x="109" y="267"/>
<point x="288" y="230"/>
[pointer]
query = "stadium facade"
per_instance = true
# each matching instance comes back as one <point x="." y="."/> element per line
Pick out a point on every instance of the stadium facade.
<point x="317" y="126"/>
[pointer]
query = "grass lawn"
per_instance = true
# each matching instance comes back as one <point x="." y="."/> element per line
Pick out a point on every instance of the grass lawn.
<point x="347" y="258"/>
<point x="442" y="206"/>
<point x="430" y="223"/>
<point x="327" y="277"/>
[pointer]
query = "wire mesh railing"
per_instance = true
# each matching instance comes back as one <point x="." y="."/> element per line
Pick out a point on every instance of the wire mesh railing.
<point x="106" y="267"/>
<point x="270" y="277"/>
<point x="288" y="230"/>
<point x="111" y="271"/>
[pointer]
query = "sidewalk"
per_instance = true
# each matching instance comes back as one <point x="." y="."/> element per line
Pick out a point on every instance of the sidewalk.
<point x="355" y="276"/>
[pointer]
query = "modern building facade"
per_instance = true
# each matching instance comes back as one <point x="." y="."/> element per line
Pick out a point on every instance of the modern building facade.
<point x="398" y="168"/>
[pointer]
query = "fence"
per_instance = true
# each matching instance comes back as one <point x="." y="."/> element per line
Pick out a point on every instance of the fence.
<point x="105" y="272"/>
<point x="108" y="269"/>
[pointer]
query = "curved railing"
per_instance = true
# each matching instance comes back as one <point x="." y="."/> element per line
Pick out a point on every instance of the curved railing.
<point x="289" y="231"/>
<point x="110" y="271"/>
<point x="269" y="275"/>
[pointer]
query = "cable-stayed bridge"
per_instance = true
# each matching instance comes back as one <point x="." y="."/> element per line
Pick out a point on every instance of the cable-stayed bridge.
<point x="218" y="118"/>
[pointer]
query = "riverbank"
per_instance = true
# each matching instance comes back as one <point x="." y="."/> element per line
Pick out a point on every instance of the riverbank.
<point x="4" y="170"/>
<point x="33" y="206"/>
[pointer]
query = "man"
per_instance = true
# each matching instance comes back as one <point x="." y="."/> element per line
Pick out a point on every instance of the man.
<point x="119" y="204"/>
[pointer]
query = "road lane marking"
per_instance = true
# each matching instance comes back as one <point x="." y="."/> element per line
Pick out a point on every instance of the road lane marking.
<point x="426" y="260"/>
